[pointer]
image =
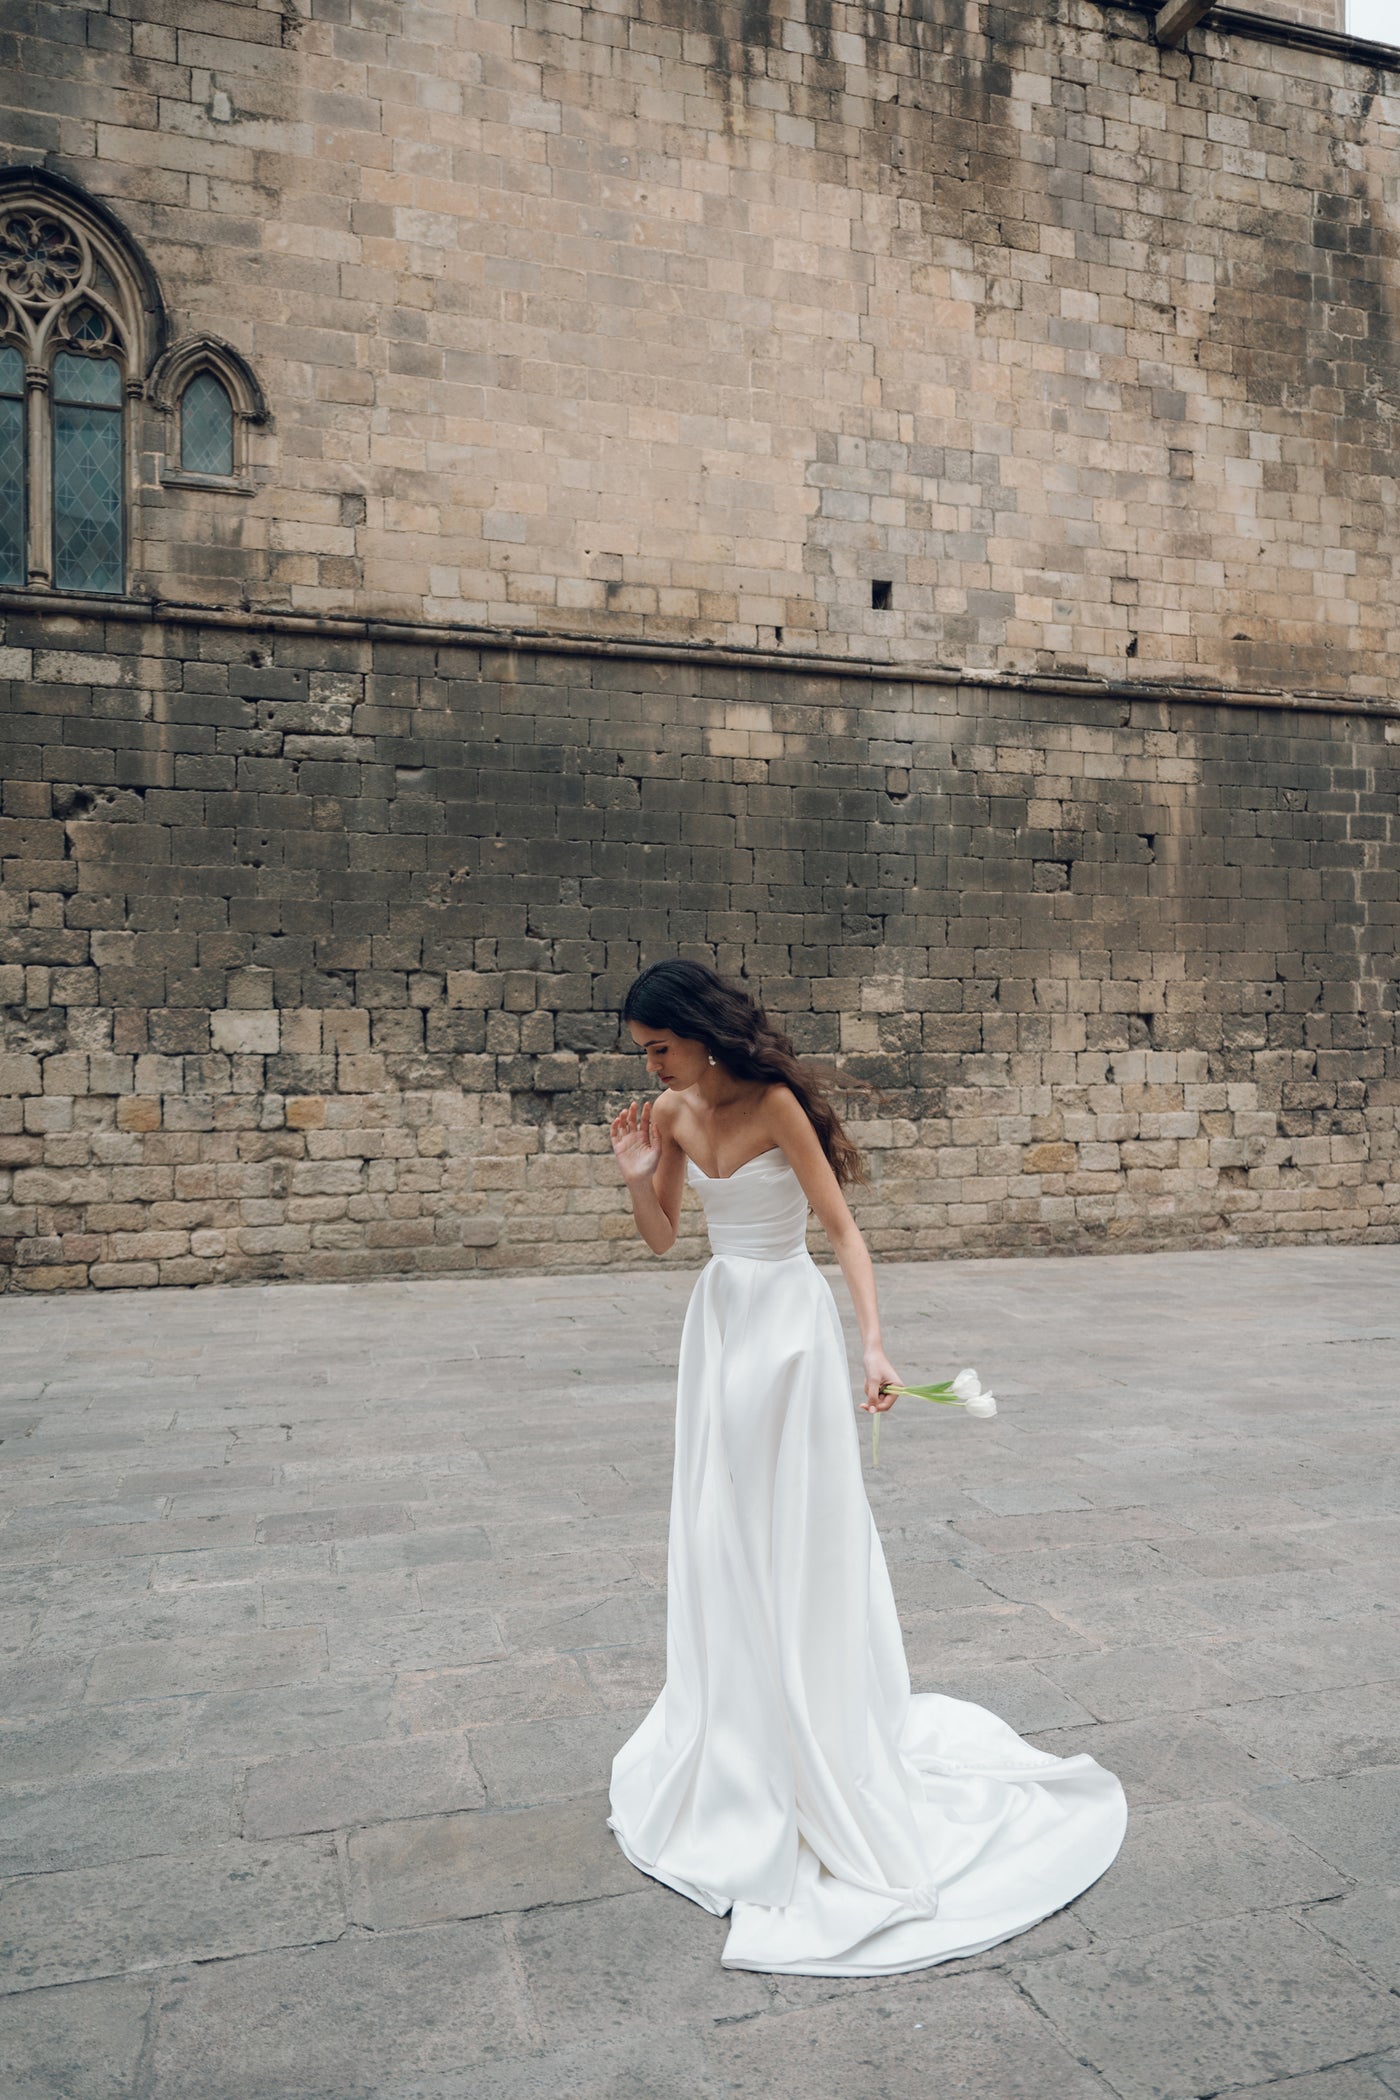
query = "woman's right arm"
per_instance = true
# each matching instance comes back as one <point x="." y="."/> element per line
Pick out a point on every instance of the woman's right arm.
<point x="653" y="1167"/>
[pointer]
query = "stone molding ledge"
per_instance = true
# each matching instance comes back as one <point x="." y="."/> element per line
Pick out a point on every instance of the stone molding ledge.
<point x="341" y="627"/>
<point x="1272" y="29"/>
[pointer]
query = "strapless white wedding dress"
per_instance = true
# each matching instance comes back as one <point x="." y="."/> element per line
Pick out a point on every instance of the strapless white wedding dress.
<point x="785" y="1775"/>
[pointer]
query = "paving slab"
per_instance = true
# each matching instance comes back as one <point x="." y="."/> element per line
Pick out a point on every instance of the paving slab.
<point x="267" y="1720"/>
<point x="635" y="2068"/>
<point x="85" y="2039"/>
<point x="523" y="1761"/>
<point x="412" y="1641"/>
<point x="1198" y="1861"/>
<point x="94" y="1739"/>
<point x="1352" y="1820"/>
<point x="1320" y="1658"/>
<point x="1168" y="1758"/>
<point x="292" y="1584"/>
<point x="1342" y="2082"/>
<point x="145" y="1913"/>
<point x="1313" y="1735"/>
<point x="1226" y="2003"/>
<point x="1022" y="1693"/>
<point x="469" y="1866"/>
<point x="219" y="1662"/>
<point x="991" y="1633"/>
<point x="973" y="2035"/>
<point x="648" y="1958"/>
<point x="426" y="1775"/>
<point x="425" y="1701"/>
<point x="114" y="1816"/>
<point x="624" y="1677"/>
<point x="1366" y="1925"/>
<point x="1122" y="1684"/>
<point x="370" y="2017"/>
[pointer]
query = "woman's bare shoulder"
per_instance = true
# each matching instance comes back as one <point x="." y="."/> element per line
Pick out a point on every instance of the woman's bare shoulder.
<point x="781" y="1108"/>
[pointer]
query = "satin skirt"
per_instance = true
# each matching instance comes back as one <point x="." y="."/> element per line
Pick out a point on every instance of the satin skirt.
<point x="786" y="1776"/>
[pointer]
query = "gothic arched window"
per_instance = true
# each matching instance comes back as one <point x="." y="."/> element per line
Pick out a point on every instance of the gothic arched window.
<point x="206" y="426"/>
<point x="210" y="400"/>
<point x="80" y="316"/>
<point x="82" y="354"/>
<point x="89" y="473"/>
<point x="12" y="491"/>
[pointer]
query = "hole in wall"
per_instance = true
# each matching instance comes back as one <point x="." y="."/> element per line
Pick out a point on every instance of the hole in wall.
<point x="1131" y="649"/>
<point x="1050" y="874"/>
<point x="881" y="594"/>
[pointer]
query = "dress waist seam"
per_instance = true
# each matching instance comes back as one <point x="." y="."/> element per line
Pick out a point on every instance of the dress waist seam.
<point x="731" y="1254"/>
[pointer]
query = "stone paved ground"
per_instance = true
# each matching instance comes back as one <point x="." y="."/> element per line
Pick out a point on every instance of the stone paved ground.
<point x="325" y="1609"/>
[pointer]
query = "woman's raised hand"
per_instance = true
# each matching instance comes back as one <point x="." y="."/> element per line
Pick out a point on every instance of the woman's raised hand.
<point x="635" y="1147"/>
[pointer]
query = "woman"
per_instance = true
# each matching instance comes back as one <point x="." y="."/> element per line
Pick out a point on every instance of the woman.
<point x="785" y="1775"/>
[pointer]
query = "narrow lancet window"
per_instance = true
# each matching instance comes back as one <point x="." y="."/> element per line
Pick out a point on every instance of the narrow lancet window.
<point x="206" y="427"/>
<point x="12" y="488"/>
<point x="88" y="473"/>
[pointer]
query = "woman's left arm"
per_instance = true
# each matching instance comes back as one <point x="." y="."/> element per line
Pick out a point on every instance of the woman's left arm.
<point x="788" y="1126"/>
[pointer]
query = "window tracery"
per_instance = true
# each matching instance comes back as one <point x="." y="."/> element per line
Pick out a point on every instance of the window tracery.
<point x="82" y="351"/>
<point x="78" y="314"/>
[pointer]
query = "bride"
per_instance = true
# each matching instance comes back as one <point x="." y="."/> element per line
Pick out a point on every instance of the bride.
<point x="785" y="1775"/>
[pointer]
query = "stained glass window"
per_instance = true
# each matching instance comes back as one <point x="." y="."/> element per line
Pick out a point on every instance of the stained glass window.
<point x="206" y="427"/>
<point x="88" y="326"/>
<point x="88" y="473"/>
<point x="12" y="508"/>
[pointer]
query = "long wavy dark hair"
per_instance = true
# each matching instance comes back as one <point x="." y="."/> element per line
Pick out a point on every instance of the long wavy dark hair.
<point x="694" y="1002"/>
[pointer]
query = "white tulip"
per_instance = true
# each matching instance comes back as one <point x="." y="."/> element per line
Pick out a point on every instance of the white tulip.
<point x="966" y="1386"/>
<point x="983" y="1404"/>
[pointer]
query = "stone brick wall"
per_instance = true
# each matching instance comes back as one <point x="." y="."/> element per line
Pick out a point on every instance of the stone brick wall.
<point x="638" y="319"/>
<point x="315" y="946"/>
<point x="960" y="445"/>
<point x="1312" y="14"/>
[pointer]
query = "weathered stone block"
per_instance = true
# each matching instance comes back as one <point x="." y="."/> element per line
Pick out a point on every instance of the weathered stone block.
<point x="255" y="1032"/>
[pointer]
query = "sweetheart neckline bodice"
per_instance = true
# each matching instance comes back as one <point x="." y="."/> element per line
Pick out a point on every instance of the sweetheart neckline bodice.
<point x="717" y="1180"/>
<point x="759" y="1211"/>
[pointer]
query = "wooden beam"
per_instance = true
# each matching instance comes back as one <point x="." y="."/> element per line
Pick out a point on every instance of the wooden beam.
<point x="1178" y="18"/>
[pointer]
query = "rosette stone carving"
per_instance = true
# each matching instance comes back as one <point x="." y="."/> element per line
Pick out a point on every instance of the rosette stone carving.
<point x="40" y="258"/>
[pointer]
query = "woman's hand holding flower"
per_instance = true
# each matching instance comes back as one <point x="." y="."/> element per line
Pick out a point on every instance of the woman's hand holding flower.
<point x="881" y="1383"/>
<point x="964" y="1391"/>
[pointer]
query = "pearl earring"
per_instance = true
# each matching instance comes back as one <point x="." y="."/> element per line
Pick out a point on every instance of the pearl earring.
<point x="712" y="1057"/>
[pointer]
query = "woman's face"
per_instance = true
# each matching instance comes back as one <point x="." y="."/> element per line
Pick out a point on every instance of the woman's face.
<point x="676" y="1060"/>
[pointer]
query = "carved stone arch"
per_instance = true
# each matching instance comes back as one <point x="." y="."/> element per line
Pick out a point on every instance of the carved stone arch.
<point x="183" y="362"/>
<point x="207" y="353"/>
<point x="59" y="247"/>
<point x="81" y="304"/>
